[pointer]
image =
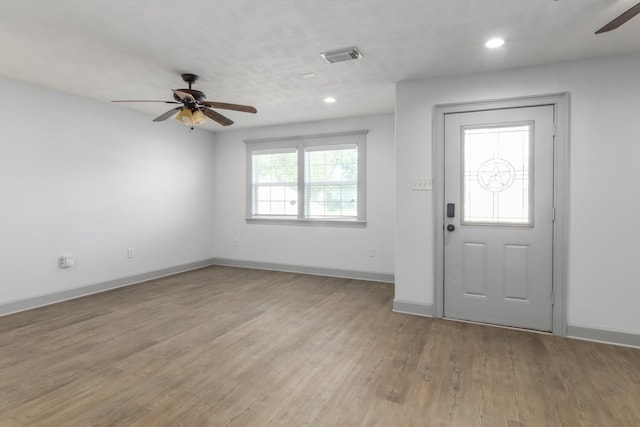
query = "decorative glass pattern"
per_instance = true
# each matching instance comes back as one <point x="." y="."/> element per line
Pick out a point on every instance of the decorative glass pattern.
<point x="497" y="181"/>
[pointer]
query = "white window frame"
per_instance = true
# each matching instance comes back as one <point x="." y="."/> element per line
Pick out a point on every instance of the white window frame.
<point x="299" y="143"/>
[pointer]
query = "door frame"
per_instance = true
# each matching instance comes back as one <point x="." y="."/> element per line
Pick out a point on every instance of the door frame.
<point x="560" y="102"/>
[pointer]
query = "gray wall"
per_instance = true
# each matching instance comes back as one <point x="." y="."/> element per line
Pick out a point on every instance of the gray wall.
<point x="88" y="179"/>
<point x="329" y="248"/>
<point x="603" y="285"/>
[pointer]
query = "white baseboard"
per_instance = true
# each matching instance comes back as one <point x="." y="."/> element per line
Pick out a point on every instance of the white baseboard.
<point x="318" y="271"/>
<point x="606" y="336"/>
<point x="67" y="294"/>
<point x="399" y="306"/>
<point x="415" y="308"/>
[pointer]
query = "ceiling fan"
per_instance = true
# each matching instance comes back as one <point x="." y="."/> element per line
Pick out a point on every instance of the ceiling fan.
<point x="194" y="107"/>
<point x="633" y="11"/>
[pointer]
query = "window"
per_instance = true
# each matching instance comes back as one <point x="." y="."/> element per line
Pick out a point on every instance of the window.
<point x="275" y="183"/>
<point x="308" y="179"/>
<point x="497" y="175"/>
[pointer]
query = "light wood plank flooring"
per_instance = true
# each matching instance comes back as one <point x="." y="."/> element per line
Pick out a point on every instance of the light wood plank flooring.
<point x="227" y="346"/>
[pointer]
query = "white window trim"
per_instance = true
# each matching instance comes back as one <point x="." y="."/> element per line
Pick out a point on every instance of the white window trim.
<point x="301" y="142"/>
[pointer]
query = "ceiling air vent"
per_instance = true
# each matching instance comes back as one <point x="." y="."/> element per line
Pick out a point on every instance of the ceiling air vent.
<point x="342" y="55"/>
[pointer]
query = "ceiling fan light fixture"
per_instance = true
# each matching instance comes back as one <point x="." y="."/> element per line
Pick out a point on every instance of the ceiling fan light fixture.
<point x="198" y="117"/>
<point x="190" y="118"/>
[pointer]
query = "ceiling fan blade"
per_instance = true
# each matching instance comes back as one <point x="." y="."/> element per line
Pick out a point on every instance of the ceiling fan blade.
<point x="214" y="115"/>
<point x="225" y="106"/>
<point x="145" y="100"/>
<point x="168" y="114"/>
<point x="620" y="19"/>
<point x="185" y="96"/>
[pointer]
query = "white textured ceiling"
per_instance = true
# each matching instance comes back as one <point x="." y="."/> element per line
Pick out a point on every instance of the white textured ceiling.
<point x="255" y="51"/>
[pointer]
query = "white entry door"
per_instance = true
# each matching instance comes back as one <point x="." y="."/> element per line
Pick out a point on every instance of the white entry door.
<point x="498" y="236"/>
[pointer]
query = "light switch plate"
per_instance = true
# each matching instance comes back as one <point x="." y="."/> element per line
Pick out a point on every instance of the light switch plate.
<point x="421" y="183"/>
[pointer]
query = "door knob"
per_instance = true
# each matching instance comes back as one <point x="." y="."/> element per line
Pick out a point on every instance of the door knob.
<point x="451" y="227"/>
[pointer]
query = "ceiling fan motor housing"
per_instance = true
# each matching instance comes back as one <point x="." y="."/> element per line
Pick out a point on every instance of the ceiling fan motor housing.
<point x="198" y="95"/>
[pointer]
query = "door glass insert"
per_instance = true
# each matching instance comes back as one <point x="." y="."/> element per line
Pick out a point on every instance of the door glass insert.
<point x="497" y="174"/>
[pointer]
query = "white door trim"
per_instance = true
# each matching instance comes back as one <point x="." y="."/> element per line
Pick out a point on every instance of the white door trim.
<point x="560" y="102"/>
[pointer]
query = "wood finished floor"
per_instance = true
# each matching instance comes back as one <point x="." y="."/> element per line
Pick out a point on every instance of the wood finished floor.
<point x="227" y="346"/>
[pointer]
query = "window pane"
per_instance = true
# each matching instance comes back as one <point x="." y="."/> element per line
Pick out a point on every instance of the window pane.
<point x="279" y="167"/>
<point x="497" y="175"/>
<point x="331" y="184"/>
<point x="275" y="190"/>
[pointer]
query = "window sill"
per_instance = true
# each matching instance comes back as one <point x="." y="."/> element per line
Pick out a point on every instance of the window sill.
<point x="308" y="222"/>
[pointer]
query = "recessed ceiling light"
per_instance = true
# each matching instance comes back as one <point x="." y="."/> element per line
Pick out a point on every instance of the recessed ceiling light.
<point x="494" y="43"/>
<point x="329" y="100"/>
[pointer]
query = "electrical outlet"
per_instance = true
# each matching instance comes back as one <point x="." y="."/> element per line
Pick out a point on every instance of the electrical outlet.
<point x="372" y="251"/>
<point x="66" y="261"/>
<point x="129" y="252"/>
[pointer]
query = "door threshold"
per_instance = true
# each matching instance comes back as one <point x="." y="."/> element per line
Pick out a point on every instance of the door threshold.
<point x="515" y="328"/>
